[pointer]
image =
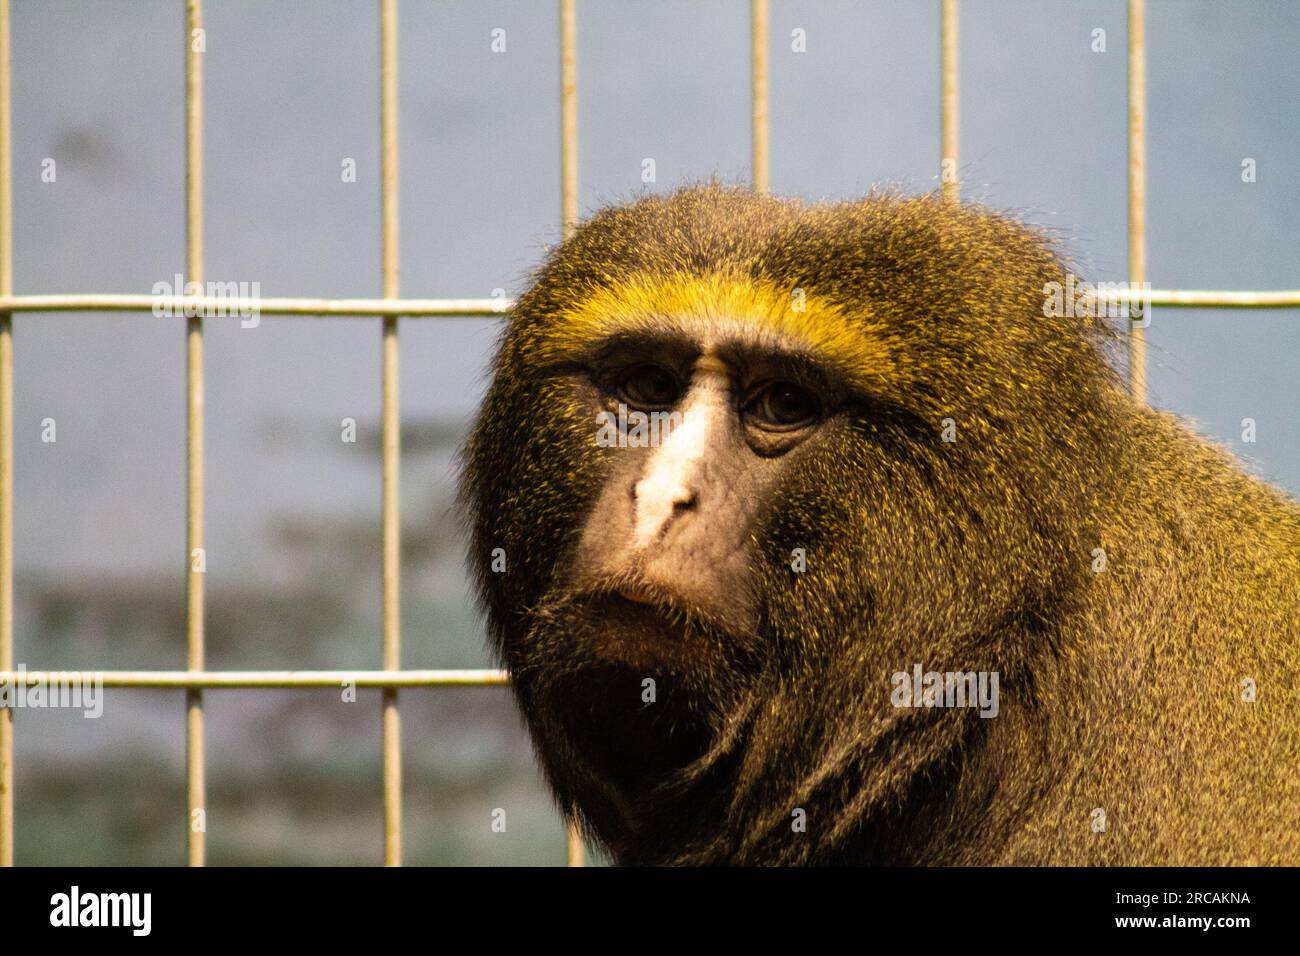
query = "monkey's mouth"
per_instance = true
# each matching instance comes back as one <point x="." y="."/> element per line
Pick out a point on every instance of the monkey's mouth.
<point x="640" y="627"/>
<point x="637" y="595"/>
<point x="631" y="686"/>
<point x="628" y="682"/>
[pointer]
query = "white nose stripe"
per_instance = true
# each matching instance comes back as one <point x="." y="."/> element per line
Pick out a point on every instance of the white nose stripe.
<point x="670" y="475"/>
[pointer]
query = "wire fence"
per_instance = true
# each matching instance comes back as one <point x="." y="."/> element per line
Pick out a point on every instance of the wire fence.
<point x="391" y="309"/>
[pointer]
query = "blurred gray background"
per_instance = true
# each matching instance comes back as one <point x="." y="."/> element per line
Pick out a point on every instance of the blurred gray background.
<point x="293" y="513"/>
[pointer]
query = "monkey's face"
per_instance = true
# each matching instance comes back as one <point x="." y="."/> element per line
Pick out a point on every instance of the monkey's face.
<point x="657" y="624"/>
<point x="690" y="438"/>
<point x="701" y="425"/>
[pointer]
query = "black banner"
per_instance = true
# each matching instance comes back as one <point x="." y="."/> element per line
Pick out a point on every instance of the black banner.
<point x="942" y="905"/>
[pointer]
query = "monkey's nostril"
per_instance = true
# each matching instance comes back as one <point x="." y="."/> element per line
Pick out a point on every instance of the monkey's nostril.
<point x="685" y="501"/>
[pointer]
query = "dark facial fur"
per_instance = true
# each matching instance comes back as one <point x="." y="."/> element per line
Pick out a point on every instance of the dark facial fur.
<point x="1120" y="691"/>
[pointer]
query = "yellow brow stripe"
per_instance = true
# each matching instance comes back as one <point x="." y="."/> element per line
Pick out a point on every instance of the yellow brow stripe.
<point x="705" y="305"/>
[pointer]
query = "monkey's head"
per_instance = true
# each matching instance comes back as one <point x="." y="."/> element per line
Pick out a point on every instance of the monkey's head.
<point x="744" y="458"/>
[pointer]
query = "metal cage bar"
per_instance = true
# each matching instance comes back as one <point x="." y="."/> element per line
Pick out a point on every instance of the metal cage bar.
<point x="196" y="556"/>
<point x="1137" y="191"/>
<point x="758" y="94"/>
<point x="391" y="444"/>
<point x="196" y="678"/>
<point x="6" y="447"/>
<point x="568" y="117"/>
<point x="574" y="848"/>
<point x="226" y="680"/>
<point x="948" y="91"/>
<point x="219" y="306"/>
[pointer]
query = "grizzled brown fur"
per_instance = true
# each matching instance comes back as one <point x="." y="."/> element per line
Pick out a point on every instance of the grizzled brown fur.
<point x="1121" y="691"/>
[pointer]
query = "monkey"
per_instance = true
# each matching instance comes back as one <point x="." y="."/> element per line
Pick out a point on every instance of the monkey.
<point x="884" y="458"/>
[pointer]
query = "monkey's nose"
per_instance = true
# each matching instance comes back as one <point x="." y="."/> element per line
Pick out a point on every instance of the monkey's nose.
<point x="656" y="503"/>
<point x="674" y="494"/>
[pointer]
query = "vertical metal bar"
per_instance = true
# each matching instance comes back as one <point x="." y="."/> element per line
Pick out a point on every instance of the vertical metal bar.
<point x="1137" y="190"/>
<point x="758" y="93"/>
<point x="6" y="449"/>
<point x="948" y="127"/>
<point x="391" y="425"/>
<point x="574" y="849"/>
<point x="568" y="117"/>
<point x="196" y="564"/>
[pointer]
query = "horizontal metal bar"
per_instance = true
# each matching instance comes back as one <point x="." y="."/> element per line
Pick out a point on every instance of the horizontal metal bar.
<point x="187" y="680"/>
<point x="233" y="306"/>
<point x="219" y="306"/>
<point x="1220" y="299"/>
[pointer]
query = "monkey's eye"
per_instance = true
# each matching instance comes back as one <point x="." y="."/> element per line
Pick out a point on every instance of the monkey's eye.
<point x="783" y="406"/>
<point x="649" y="388"/>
